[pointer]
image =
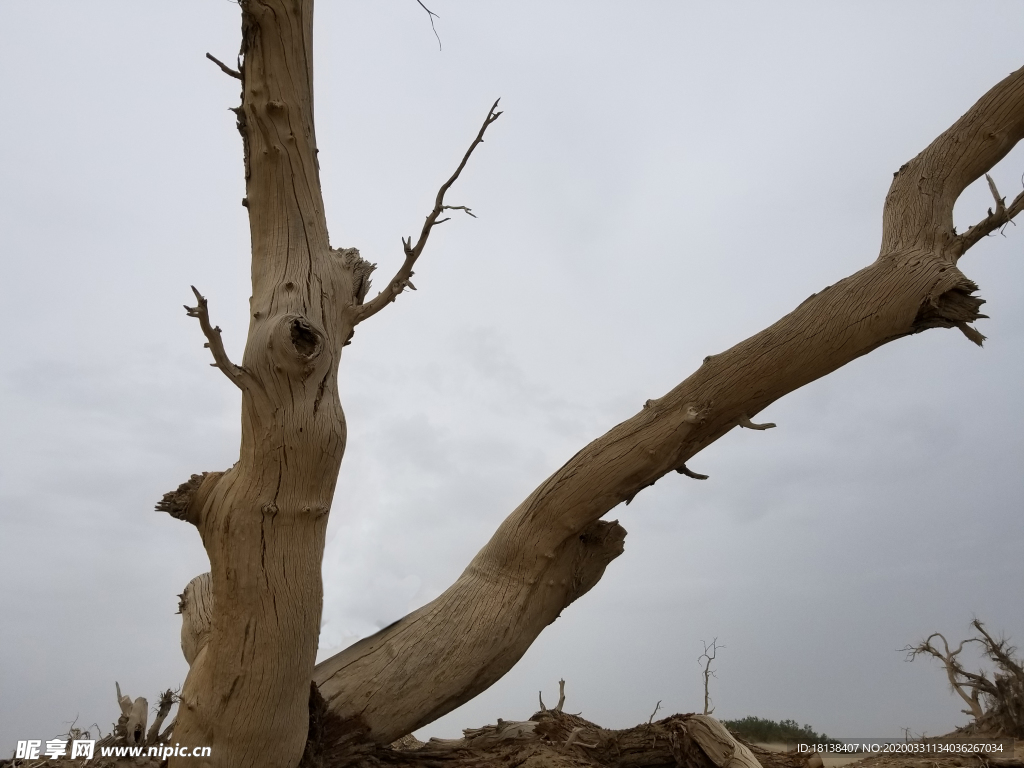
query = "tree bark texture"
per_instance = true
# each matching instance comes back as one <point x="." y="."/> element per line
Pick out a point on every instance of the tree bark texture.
<point x="263" y="520"/>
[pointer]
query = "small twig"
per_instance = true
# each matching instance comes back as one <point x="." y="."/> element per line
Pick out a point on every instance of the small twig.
<point x="745" y="421"/>
<point x="1000" y="202"/>
<point x="656" y="708"/>
<point x="431" y="15"/>
<point x="227" y="70"/>
<point x="1000" y="217"/>
<point x="561" y="696"/>
<point x="682" y="470"/>
<point x="236" y="373"/>
<point x="412" y="252"/>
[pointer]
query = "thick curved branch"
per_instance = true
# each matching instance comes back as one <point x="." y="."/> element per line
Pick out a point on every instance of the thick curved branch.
<point x="458" y="645"/>
<point x="919" y="207"/>
<point x="402" y="278"/>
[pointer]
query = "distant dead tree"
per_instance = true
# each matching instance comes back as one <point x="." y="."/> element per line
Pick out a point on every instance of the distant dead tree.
<point x="996" y="703"/>
<point x="705" y="659"/>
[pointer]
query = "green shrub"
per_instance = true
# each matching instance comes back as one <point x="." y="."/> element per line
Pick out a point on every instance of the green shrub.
<point x="769" y="731"/>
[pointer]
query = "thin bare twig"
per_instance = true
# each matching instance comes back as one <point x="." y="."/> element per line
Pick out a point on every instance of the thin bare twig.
<point x="227" y="70"/>
<point x="1000" y="217"/>
<point x="401" y="280"/>
<point x="431" y="15"/>
<point x="236" y="373"/>
<point x="656" y="708"/>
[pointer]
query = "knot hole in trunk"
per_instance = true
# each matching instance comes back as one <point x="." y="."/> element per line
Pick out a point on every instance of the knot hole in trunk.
<point x="306" y="341"/>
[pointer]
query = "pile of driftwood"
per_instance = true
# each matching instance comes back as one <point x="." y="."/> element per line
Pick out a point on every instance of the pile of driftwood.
<point x="552" y="738"/>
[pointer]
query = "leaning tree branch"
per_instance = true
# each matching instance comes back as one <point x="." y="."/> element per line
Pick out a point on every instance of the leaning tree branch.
<point x="402" y="278"/>
<point x="238" y="375"/>
<point x="919" y="206"/>
<point x="442" y="655"/>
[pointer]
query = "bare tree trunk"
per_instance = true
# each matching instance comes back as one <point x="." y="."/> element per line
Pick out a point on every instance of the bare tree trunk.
<point x="263" y="520"/>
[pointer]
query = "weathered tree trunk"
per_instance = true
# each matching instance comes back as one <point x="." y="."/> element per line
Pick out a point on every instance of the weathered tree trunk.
<point x="263" y="520"/>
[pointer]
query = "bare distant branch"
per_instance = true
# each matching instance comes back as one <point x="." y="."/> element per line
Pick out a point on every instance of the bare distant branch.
<point x="431" y="15"/>
<point x="401" y="280"/>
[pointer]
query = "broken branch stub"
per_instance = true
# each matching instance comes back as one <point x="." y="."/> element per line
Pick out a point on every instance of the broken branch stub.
<point x="131" y="725"/>
<point x="196" y="609"/>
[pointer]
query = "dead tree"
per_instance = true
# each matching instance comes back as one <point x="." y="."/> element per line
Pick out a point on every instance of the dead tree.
<point x="996" y="703"/>
<point x="263" y="520"/>
<point x="705" y="659"/>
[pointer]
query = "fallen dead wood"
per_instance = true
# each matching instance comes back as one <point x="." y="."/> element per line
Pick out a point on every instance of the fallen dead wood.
<point x="556" y="739"/>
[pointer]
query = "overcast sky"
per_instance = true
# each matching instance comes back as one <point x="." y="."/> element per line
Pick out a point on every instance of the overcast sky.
<point x="666" y="180"/>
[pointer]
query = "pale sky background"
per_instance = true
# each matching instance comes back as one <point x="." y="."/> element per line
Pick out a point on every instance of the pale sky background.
<point x="667" y="179"/>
